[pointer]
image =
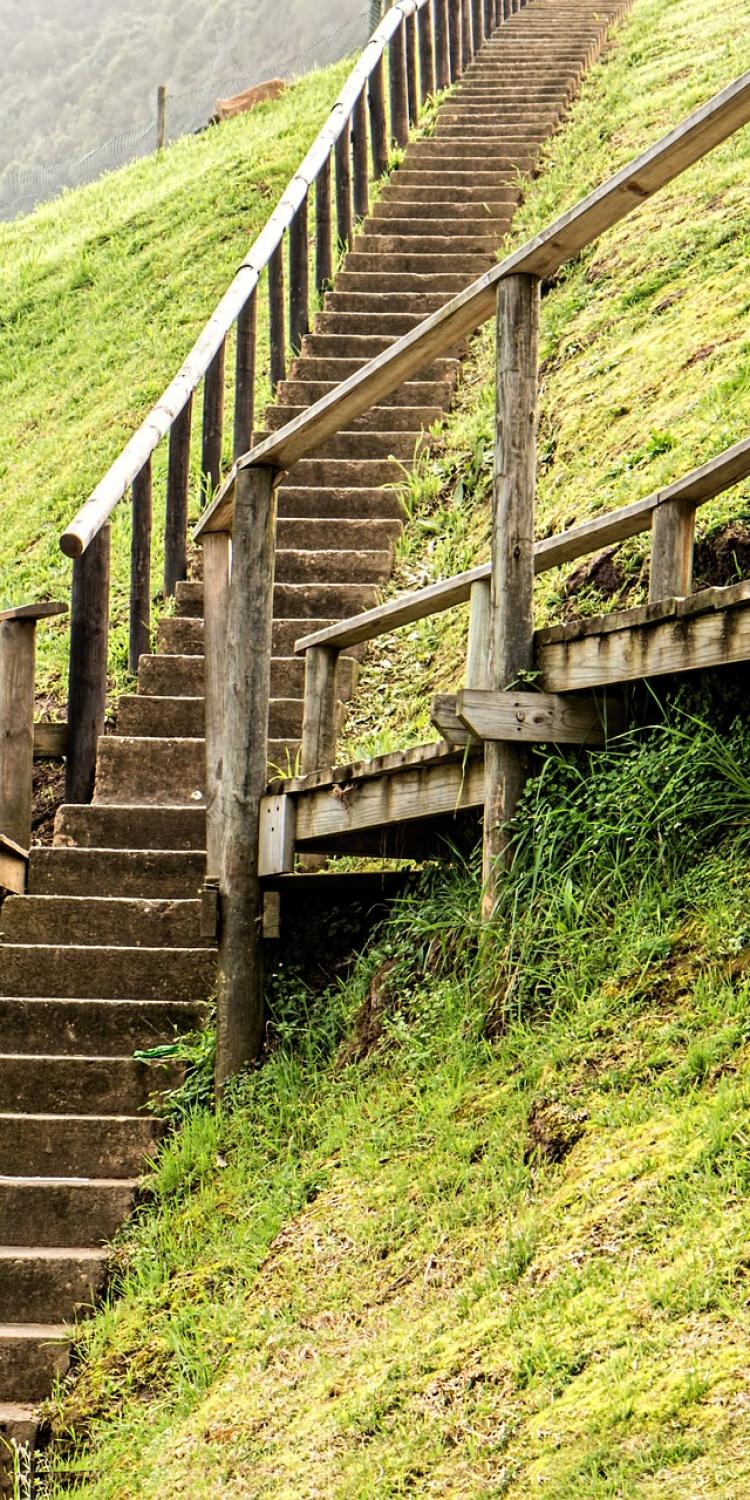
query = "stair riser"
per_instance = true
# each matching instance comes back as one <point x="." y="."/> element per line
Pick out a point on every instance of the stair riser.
<point x="467" y="267"/>
<point x="345" y="474"/>
<point x="71" y="1214"/>
<point x="48" y="1290"/>
<point x="381" y="419"/>
<point x="345" y="503"/>
<point x="171" y="772"/>
<point x="478" y="243"/>
<point x="90" y="1028"/>
<point x="157" y="874"/>
<point x="98" y="922"/>
<point x="82" y="1086"/>
<point x="355" y="446"/>
<point x="483" y="226"/>
<point x="48" y="1145"/>
<point x="160" y="718"/>
<point x="442" y="207"/>
<point x="28" y="1368"/>
<point x="149" y="973"/>
<point x="186" y="672"/>
<point x="132" y="827"/>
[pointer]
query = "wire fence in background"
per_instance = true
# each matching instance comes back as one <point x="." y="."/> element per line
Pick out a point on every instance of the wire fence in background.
<point x="22" y="188"/>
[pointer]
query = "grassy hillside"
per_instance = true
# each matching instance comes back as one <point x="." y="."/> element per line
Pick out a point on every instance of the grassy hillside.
<point x="102" y="294"/>
<point x="479" y="1226"/>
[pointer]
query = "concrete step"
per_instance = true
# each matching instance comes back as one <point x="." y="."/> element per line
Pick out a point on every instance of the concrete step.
<point x="90" y="1027"/>
<point x="159" y="874"/>
<point x="480" y="203"/>
<point x="342" y="473"/>
<point x="170" y="772"/>
<point x="334" y="601"/>
<point x="185" y="673"/>
<point x="323" y="534"/>
<point x="413" y="393"/>
<point x="50" y="1211"/>
<point x="474" y="228"/>
<point x="30" y="1083"/>
<point x="32" y="1357"/>
<point x="48" y="1284"/>
<point x="19" y="1426"/>
<point x="117" y="1146"/>
<point x="468" y="267"/>
<point x="370" y="241"/>
<point x="336" y="370"/>
<point x="98" y="921"/>
<point x="367" y="324"/>
<point x="137" y="827"/>
<point x="460" y="176"/>
<point x="355" y="503"/>
<point x="379" y="419"/>
<point x="164" y="718"/>
<point x="67" y="970"/>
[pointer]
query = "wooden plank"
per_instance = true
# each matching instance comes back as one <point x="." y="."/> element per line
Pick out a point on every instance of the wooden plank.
<point x="244" y="379"/>
<point x="278" y="826"/>
<point x="178" y="488"/>
<point x="216" y="574"/>
<point x="299" y="278"/>
<point x="682" y="639"/>
<point x="673" y="530"/>
<point x="443" y="715"/>
<point x="14" y="863"/>
<point x="17" y="657"/>
<point x="401" y="611"/>
<point x="318" y="747"/>
<point x="378" y="120"/>
<point x="478" y="650"/>
<point x="398" y="88"/>
<point x="42" y="611"/>
<point x="50" y="741"/>
<point x="87" y="666"/>
<point x="323" y="229"/>
<point x="276" y="331"/>
<point x="367" y="770"/>
<point x="213" y="422"/>
<point x="698" y="134"/>
<point x="533" y="718"/>
<point x="140" y="568"/>
<point x="414" y="794"/>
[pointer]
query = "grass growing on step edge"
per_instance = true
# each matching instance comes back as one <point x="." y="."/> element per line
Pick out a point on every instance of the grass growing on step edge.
<point x="645" y="349"/>
<point x="479" y="1225"/>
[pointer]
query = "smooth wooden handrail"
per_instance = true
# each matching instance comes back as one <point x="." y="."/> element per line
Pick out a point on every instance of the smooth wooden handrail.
<point x="97" y="510"/>
<point x="697" y="487"/>
<point x="541" y="256"/>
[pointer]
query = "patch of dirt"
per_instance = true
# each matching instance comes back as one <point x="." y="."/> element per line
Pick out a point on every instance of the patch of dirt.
<point x="723" y="557"/>
<point x="368" y="1028"/>
<point x="554" y="1129"/>
<point x="602" y="573"/>
<point x="48" y="794"/>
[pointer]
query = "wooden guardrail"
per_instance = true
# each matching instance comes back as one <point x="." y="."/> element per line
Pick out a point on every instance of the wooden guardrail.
<point x="425" y="45"/>
<point x="501" y="635"/>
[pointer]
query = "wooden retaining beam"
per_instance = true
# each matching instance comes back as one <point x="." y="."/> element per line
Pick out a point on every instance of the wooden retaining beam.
<point x="17" y="668"/>
<point x="525" y="718"/>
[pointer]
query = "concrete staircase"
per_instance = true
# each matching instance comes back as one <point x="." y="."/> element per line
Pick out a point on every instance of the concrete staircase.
<point x="102" y="956"/>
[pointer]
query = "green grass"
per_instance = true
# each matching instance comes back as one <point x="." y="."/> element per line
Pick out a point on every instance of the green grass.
<point x="102" y="294"/>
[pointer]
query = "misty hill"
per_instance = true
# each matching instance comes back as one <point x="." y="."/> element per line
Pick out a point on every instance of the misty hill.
<point x="73" y="74"/>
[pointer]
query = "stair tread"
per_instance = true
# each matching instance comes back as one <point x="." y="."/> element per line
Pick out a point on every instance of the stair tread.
<point x="34" y="1331"/>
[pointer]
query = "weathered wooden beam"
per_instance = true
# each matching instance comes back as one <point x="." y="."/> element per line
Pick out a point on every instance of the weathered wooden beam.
<point x="410" y="795"/>
<point x="709" y="629"/>
<point x="299" y="278"/>
<point x="442" y="45"/>
<point x="278" y="829"/>
<point x="541" y="256"/>
<point x="244" y="380"/>
<point x="178" y="489"/>
<point x="323" y="229"/>
<point x="213" y="421"/>
<point x="276" y="327"/>
<point x="240" y="1005"/>
<point x="360" y="158"/>
<point x="50" y="741"/>
<point x="344" y="211"/>
<point x="140" y="568"/>
<point x="398" y="88"/>
<point x="478" y="652"/>
<point x="412" y="82"/>
<point x="426" y="52"/>
<point x="17" y="660"/>
<point x="378" y="120"/>
<point x="512" y="581"/>
<point x="531" y="718"/>
<point x="216" y="573"/>
<point x="87" y="666"/>
<point x="454" y="38"/>
<point x="13" y="866"/>
<point x="672" y="533"/>
<point x="318" y="747"/>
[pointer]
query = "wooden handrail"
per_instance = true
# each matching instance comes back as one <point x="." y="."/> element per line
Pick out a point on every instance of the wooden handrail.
<point x="695" y="488"/>
<point x="97" y="510"/>
<point x="541" y="256"/>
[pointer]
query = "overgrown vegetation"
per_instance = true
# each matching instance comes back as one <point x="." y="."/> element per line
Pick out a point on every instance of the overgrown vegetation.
<point x="501" y="1247"/>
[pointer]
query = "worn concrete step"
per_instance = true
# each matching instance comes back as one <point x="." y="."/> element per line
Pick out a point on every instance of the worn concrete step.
<point x="342" y="473"/>
<point x="32" y="1357"/>
<point x="19" y="1426"/>
<point x="48" y="1284"/>
<point x="58" y="1085"/>
<point x="323" y="534"/>
<point x="423" y="263"/>
<point x="477" y="203"/>
<point x="371" y="241"/>
<point x="76" y="1146"/>
<point x="51" y="1211"/>
<point x="383" y="420"/>
<point x="170" y="772"/>
<point x="462" y="176"/>
<point x="369" y="324"/>
<point x="336" y="370"/>
<point x="116" y="921"/>
<point x="351" y="345"/>
<point x="67" y="970"/>
<point x="298" y="601"/>
<point x="458" y="155"/>
<point x="353" y="503"/>
<point x="165" y="718"/>
<point x="159" y="874"/>
<point x="479" y="227"/>
<point x="353" y="446"/>
<point x="371" y="283"/>
<point x="138" y="827"/>
<point x="413" y="393"/>
<point x="490" y="133"/>
<point x="91" y="1026"/>
<point x="184" y="674"/>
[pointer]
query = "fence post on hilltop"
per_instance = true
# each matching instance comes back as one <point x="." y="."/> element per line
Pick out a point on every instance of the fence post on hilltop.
<point x="511" y="599"/>
<point x="412" y="88"/>
<point x="247" y="655"/>
<point x="216" y="566"/>
<point x="672" y="532"/>
<point x="87" y="666"/>
<point x="161" y="116"/>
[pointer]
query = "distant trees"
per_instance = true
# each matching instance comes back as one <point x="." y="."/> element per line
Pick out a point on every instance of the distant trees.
<point x="73" y="73"/>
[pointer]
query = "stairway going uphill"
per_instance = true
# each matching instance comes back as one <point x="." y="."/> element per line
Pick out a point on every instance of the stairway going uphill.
<point x="102" y="956"/>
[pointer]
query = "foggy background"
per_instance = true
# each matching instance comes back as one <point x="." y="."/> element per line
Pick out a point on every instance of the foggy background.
<point x="74" y="73"/>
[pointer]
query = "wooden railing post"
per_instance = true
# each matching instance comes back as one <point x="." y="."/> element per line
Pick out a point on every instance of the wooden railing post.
<point x="511" y="601"/>
<point x="477" y="24"/>
<point x="276" y="329"/>
<point x="426" y="52"/>
<point x="213" y="421"/>
<point x="672" y="533"/>
<point x="378" y="120"/>
<point x="87" y="668"/>
<point x="17" y="659"/>
<point x="488" y="17"/>
<point x="412" y="86"/>
<point x="477" y="656"/>
<point x="361" y="158"/>
<point x="178" y="487"/>
<point x="323" y="229"/>
<point x="240" y="1010"/>
<point x="344" y="216"/>
<point x="216" y="568"/>
<point x="442" y="44"/>
<point x="319" y="712"/>
<point x="299" y="278"/>
<point x="244" y="384"/>
<point x="398" y="88"/>
<point x="467" y="40"/>
<point x="140" y="568"/>
<point x="455" y="8"/>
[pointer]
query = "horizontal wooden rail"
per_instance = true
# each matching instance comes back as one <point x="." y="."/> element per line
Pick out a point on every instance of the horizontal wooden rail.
<point x="696" y="487"/>
<point x="542" y="256"/>
<point x="97" y="510"/>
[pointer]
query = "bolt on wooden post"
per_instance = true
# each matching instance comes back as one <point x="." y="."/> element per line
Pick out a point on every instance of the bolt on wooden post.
<point x="511" y="602"/>
<point x="247" y="656"/>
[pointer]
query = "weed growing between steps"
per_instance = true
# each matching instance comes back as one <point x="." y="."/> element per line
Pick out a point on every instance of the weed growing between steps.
<point x="479" y="1225"/>
<point x="645" y="347"/>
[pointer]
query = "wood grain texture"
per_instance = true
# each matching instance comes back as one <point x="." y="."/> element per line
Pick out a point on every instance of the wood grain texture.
<point x="278" y="828"/>
<point x="140" y="568"/>
<point x="216" y="572"/>
<point x="213" y="421"/>
<point x="412" y="794"/>
<point x="13" y="867"/>
<point x="323" y="230"/>
<point x="43" y="611"/>
<point x="50" y="741"/>
<point x="178" y="489"/>
<point x="672" y="533"/>
<point x="299" y="278"/>
<point x="17" y="658"/>
<point x="87" y="666"/>
<point x="319" y="710"/>
<point x="533" y="718"/>
<point x="398" y="90"/>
